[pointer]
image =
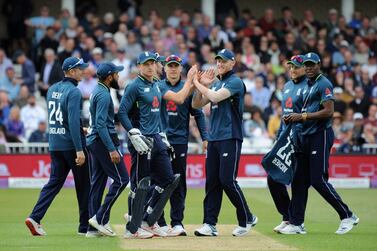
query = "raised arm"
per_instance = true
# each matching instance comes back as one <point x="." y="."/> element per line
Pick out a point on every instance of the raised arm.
<point x="180" y="97"/>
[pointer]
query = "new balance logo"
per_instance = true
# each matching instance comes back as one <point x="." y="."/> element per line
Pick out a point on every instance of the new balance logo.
<point x="225" y="154"/>
<point x="314" y="152"/>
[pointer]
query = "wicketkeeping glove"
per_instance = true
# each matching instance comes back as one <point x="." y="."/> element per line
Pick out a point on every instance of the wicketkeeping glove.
<point x="141" y="143"/>
<point x="166" y="142"/>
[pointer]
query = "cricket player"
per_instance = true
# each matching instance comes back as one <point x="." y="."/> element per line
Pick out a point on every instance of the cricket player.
<point x="317" y="140"/>
<point x="105" y="158"/>
<point x="139" y="114"/>
<point x="226" y="97"/>
<point x="67" y="146"/>
<point x="292" y="102"/>
<point x="175" y="119"/>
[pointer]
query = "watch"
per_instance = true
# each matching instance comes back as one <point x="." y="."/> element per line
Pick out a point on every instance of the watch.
<point x="304" y="116"/>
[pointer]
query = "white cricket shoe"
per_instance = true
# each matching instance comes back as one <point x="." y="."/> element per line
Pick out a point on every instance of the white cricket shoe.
<point x="177" y="230"/>
<point x="104" y="230"/>
<point x="242" y="231"/>
<point x="93" y="234"/>
<point x="140" y="234"/>
<point x="166" y="229"/>
<point x="293" y="229"/>
<point x="347" y="224"/>
<point x="35" y="228"/>
<point x="155" y="229"/>
<point x="206" y="230"/>
<point x="282" y="225"/>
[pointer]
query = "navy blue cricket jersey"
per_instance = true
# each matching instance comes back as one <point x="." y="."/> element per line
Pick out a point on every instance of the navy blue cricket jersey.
<point x="64" y="105"/>
<point x="101" y="117"/>
<point x="292" y="101"/>
<point x="226" y="116"/>
<point x="140" y="106"/>
<point x="175" y="118"/>
<point x="317" y="92"/>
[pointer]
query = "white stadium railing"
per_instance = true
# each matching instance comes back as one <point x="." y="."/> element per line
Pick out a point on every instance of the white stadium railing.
<point x="247" y="148"/>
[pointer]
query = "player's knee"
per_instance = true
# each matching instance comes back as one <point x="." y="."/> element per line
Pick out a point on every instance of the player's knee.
<point x="227" y="183"/>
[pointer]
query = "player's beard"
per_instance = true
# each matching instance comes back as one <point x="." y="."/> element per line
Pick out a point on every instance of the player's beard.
<point x="114" y="84"/>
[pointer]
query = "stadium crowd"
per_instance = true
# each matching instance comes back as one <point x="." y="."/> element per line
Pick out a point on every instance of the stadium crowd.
<point x="262" y="44"/>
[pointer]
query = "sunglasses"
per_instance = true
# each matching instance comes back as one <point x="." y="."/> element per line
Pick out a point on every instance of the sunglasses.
<point x="81" y="61"/>
<point x="173" y="58"/>
<point x="297" y="59"/>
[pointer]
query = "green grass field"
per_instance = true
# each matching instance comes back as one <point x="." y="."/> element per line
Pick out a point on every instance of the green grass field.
<point x="60" y="221"/>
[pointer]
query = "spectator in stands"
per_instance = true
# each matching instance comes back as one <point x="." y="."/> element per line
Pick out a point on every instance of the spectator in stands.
<point x="28" y="70"/>
<point x="40" y="23"/>
<point x="68" y="49"/>
<point x="255" y="127"/>
<point x="337" y="125"/>
<point x="133" y="48"/>
<point x="372" y="116"/>
<point x="339" y="105"/>
<point x="216" y="39"/>
<point x="39" y="135"/>
<point x="97" y="57"/>
<point x="10" y="84"/>
<point x="267" y="22"/>
<point x="14" y="125"/>
<point x="369" y="134"/>
<point x="51" y="72"/>
<point x="204" y="30"/>
<point x="122" y="60"/>
<point x="49" y="40"/>
<point x="5" y="106"/>
<point x="88" y="83"/>
<point x="360" y="103"/>
<point x="31" y="114"/>
<point x="22" y="97"/>
<point x="5" y="63"/>
<point x="274" y="123"/>
<point x="260" y="94"/>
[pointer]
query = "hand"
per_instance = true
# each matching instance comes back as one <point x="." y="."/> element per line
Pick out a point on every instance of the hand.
<point x="192" y="72"/>
<point x="204" y="146"/>
<point x="115" y="157"/>
<point x="139" y="141"/>
<point x="207" y="77"/>
<point x="292" y="118"/>
<point x="85" y="129"/>
<point x="80" y="158"/>
<point x="171" y="150"/>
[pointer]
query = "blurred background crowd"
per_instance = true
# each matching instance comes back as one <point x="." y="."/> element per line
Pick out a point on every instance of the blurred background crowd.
<point x="263" y="42"/>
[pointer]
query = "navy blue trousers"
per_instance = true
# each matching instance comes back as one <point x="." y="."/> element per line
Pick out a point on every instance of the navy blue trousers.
<point x="178" y="198"/>
<point x="61" y="163"/>
<point x="156" y="165"/>
<point x="280" y="197"/>
<point x="312" y="170"/>
<point x="101" y="168"/>
<point x="221" y="173"/>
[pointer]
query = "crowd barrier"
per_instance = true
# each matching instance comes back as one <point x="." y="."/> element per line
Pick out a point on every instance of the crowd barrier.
<point x="346" y="171"/>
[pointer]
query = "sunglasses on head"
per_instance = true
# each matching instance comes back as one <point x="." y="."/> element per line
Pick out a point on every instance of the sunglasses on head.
<point x="81" y="61"/>
<point x="297" y="59"/>
<point x="173" y="58"/>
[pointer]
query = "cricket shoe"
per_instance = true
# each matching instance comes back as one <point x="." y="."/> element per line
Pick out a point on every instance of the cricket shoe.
<point x="347" y="224"/>
<point x="242" y="231"/>
<point x="293" y="229"/>
<point x="104" y="230"/>
<point x="140" y="234"/>
<point x="206" y="230"/>
<point x="93" y="234"/>
<point x="177" y="230"/>
<point x="34" y="227"/>
<point x="282" y="225"/>
<point x="155" y="229"/>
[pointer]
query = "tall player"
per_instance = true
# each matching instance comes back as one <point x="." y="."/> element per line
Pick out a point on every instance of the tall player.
<point x="317" y="137"/>
<point x="226" y="97"/>
<point x="66" y="145"/>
